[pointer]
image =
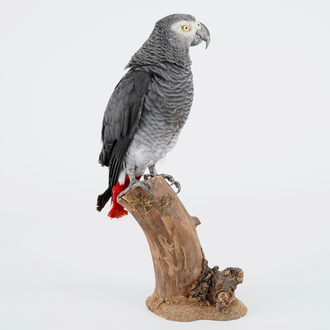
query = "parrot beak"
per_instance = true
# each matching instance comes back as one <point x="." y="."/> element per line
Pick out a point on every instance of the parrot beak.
<point x="202" y="34"/>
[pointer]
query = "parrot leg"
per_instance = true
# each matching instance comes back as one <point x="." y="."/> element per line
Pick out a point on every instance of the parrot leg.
<point x="135" y="183"/>
<point x="169" y="178"/>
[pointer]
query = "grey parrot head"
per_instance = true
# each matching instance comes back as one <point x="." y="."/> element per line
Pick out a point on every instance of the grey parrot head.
<point x="170" y="41"/>
<point x="184" y="29"/>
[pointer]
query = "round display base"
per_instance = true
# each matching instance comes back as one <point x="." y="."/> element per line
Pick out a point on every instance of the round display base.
<point x="184" y="309"/>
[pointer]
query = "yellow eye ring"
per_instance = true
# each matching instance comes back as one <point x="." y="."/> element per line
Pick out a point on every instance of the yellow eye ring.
<point x="185" y="28"/>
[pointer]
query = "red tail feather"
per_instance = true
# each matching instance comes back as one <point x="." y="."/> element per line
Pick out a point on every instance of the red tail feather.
<point x="117" y="211"/>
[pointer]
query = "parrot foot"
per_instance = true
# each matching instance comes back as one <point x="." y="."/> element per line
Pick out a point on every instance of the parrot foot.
<point x="135" y="183"/>
<point x="167" y="177"/>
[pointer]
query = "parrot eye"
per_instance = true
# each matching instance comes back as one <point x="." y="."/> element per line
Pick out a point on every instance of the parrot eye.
<point x="185" y="28"/>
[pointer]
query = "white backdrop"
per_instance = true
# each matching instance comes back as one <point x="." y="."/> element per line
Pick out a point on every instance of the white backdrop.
<point x="253" y="161"/>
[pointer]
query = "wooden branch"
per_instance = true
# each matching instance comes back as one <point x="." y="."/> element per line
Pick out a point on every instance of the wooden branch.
<point x="183" y="278"/>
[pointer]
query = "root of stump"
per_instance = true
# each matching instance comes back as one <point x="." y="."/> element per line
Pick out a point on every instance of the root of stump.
<point x="217" y="287"/>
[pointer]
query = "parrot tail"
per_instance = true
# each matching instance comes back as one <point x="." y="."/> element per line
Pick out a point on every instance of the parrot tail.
<point x="117" y="211"/>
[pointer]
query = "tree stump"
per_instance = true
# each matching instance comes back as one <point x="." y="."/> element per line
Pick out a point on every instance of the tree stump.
<point x="186" y="288"/>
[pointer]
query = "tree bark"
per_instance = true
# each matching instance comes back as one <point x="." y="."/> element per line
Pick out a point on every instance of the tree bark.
<point x="183" y="279"/>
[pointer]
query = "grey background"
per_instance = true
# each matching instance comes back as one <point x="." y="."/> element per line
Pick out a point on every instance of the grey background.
<point x="253" y="161"/>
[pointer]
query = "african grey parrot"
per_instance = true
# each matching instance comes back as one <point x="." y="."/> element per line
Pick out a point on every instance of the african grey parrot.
<point x="149" y="107"/>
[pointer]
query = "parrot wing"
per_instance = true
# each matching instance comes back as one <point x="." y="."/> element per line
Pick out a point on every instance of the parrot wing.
<point x="121" y="118"/>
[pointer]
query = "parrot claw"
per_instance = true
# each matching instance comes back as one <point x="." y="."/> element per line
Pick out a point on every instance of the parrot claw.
<point x="167" y="177"/>
<point x="142" y="184"/>
<point x="178" y="186"/>
<point x="172" y="182"/>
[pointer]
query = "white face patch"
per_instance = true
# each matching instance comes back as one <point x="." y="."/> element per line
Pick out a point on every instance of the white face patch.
<point x="186" y="29"/>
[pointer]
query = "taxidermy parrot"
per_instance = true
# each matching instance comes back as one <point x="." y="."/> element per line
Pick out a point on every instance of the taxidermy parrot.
<point x="149" y="107"/>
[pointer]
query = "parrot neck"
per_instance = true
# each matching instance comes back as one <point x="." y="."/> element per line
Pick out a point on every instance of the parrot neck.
<point x="156" y="50"/>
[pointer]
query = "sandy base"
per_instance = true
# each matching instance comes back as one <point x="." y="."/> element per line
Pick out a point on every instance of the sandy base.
<point x="184" y="309"/>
